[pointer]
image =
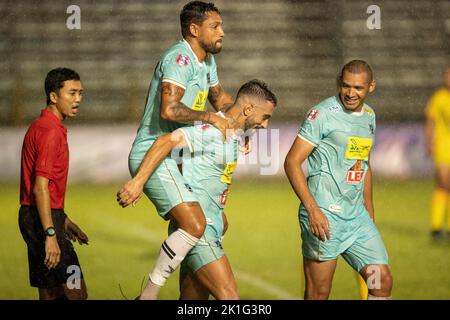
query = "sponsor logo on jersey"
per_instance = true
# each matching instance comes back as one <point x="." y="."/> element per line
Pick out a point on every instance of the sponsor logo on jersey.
<point x="208" y="77"/>
<point x="228" y="172"/>
<point x="334" y="109"/>
<point x="223" y="198"/>
<point x="356" y="173"/>
<point x="358" y="148"/>
<point x="312" y="115"/>
<point x="334" y="208"/>
<point x="182" y="60"/>
<point x="200" y="100"/>
<point x="188" y="187"/>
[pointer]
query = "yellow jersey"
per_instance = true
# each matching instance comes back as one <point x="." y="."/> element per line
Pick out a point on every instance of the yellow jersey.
<point x="438" y="110"/>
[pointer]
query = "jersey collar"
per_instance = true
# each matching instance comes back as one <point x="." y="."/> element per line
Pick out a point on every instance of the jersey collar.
<point x="353" y="113"/>
<point x="52" y="117"/>
<point x="192" y="51"/>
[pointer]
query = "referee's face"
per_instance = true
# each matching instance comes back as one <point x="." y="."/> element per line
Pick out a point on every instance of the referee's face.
<point x="69" y="98"/>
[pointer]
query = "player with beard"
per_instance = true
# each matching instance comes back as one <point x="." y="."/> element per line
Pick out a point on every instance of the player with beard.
<point x="183" y="79"/>
<point x="208" y="165"/>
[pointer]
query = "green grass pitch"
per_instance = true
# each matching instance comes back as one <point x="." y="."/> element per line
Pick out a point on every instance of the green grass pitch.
<point x="263" y="242"/>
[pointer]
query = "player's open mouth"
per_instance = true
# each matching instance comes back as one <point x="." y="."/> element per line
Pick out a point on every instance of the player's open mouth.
<point x="351" y="101"/>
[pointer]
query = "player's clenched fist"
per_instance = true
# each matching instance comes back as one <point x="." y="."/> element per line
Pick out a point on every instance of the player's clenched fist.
<point x="130" y="193"/>
<point x="319" y="224"/>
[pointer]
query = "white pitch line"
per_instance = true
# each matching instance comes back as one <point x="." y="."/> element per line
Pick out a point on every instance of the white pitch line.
<point x="252" y="280"/>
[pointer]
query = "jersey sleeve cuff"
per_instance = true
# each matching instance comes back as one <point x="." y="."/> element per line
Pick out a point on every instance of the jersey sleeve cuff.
<point x="188" y="141"/>
<point x="214" y="84"/>
<point x="174" y="82"/>
<point x="44" y="174"/>
<point x="307" y="140"/>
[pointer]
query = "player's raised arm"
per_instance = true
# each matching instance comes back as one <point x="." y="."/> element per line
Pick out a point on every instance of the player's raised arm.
<point x="298" y="153"/>
<point x="219" y="98"/>
<point x="131" y="191"/>
<point x="173" y="109"/>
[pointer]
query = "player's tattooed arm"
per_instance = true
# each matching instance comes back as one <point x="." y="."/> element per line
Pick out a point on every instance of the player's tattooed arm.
<point x="173" y="109"/>
<point x="219" y="98"/>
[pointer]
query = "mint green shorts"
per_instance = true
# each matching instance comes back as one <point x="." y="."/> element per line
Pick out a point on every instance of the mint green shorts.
<point x="358" y="241"/>
<point x="207" y="250"/>
<point x="167" y="187"/>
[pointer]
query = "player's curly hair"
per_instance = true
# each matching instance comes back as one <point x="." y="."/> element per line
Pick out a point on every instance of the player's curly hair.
<point x="55" y="80"/>
<point x="195" y="12"/>
<point x="259" y="89"/>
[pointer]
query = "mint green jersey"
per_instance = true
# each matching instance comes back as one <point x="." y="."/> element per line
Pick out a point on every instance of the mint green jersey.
<point x="208" y="169"/>
<point x="337" y="166"/>
<point x="180" y="66"/>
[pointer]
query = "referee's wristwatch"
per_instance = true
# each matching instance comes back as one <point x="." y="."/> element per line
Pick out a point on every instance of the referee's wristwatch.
<point x="50" y="232"/>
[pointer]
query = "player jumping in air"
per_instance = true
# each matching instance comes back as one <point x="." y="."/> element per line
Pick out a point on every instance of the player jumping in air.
<point x="183" y="79"/>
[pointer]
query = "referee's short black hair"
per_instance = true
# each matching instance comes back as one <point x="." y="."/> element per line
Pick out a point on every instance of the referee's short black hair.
<point x="55" y="80"/>
<point x="195" y="12"/>
<point x="257" y="88"/>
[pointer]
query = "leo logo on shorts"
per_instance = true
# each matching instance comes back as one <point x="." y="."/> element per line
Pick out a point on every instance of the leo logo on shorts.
<point x="358" y="148"/>
<point x="356" y="173"/>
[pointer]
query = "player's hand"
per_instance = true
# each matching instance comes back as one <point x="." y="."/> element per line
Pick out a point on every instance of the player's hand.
<point x="52" y="252"/>
<point x="74" y="233"/>
<point x="319" y="224"/>
<point x="130" y="193"/>
<point x="247" y="147"/>
<point x="225" y="125"/>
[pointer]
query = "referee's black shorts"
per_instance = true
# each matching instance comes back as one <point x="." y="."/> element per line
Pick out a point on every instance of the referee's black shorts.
<point x="34" y="236"/>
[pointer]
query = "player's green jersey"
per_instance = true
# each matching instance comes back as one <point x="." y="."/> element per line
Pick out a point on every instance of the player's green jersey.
<point x="180" y="66"/>
<point x="209" y="168"/>
<point x="337" y="166"/>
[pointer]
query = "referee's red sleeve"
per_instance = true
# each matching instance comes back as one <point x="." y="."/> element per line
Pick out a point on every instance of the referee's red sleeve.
<point x="46" y="153"/>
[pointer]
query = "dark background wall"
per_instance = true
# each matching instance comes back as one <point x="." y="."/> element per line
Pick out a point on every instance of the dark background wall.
<point x="298" y="47"/>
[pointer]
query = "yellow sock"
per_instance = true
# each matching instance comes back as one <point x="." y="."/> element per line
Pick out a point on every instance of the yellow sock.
<point x="438" y="206"/>
<point x="363" y="290"/>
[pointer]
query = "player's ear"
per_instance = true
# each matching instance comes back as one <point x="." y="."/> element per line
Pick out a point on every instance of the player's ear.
<point x="53" y="97"/>
<point x="194" y="30"/>
<point x="248" y="109"/>
<point x="372" y="86"/>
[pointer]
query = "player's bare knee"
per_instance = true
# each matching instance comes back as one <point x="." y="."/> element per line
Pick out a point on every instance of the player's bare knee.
<point x="318" y="292"/>
<point x="76" y="294"/>
<point x="227" y="293"/>
<point x="386" y="281"/>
